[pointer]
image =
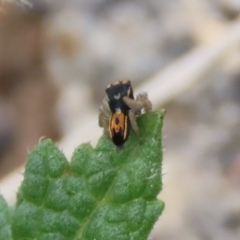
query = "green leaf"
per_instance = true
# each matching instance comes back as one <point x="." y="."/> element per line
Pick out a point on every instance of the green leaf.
<point x="103" y="194"/>
<point x="5" y="220"/>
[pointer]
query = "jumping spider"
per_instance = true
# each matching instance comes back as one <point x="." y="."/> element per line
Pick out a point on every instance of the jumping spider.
<point x="119" y="110"/>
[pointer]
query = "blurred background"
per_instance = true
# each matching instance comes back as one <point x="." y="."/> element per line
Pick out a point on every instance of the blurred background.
<point x="57" y="57"/>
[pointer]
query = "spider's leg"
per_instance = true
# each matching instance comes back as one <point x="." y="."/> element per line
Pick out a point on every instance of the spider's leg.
<point x="134" y="105"/>
<point x="104" y="116"/>
<point x="143" y="98"/>
<point x="134" y="125"/>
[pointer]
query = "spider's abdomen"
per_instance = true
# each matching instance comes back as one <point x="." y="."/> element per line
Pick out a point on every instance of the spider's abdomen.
<point x="119" y="128"/>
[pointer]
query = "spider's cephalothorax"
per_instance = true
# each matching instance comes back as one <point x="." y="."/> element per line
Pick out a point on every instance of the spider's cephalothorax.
<point x="119" y="109"/>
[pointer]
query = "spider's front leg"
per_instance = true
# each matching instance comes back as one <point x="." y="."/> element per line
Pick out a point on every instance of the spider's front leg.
<point x="132" y="118"/>
<point x="136" y="106"/>
<point x="103" y="117"/>
<point x="141" y="102"/>
<point x="142" y="98"/>
<point x="133" y="104"/>
<point x="134" y="125"/>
